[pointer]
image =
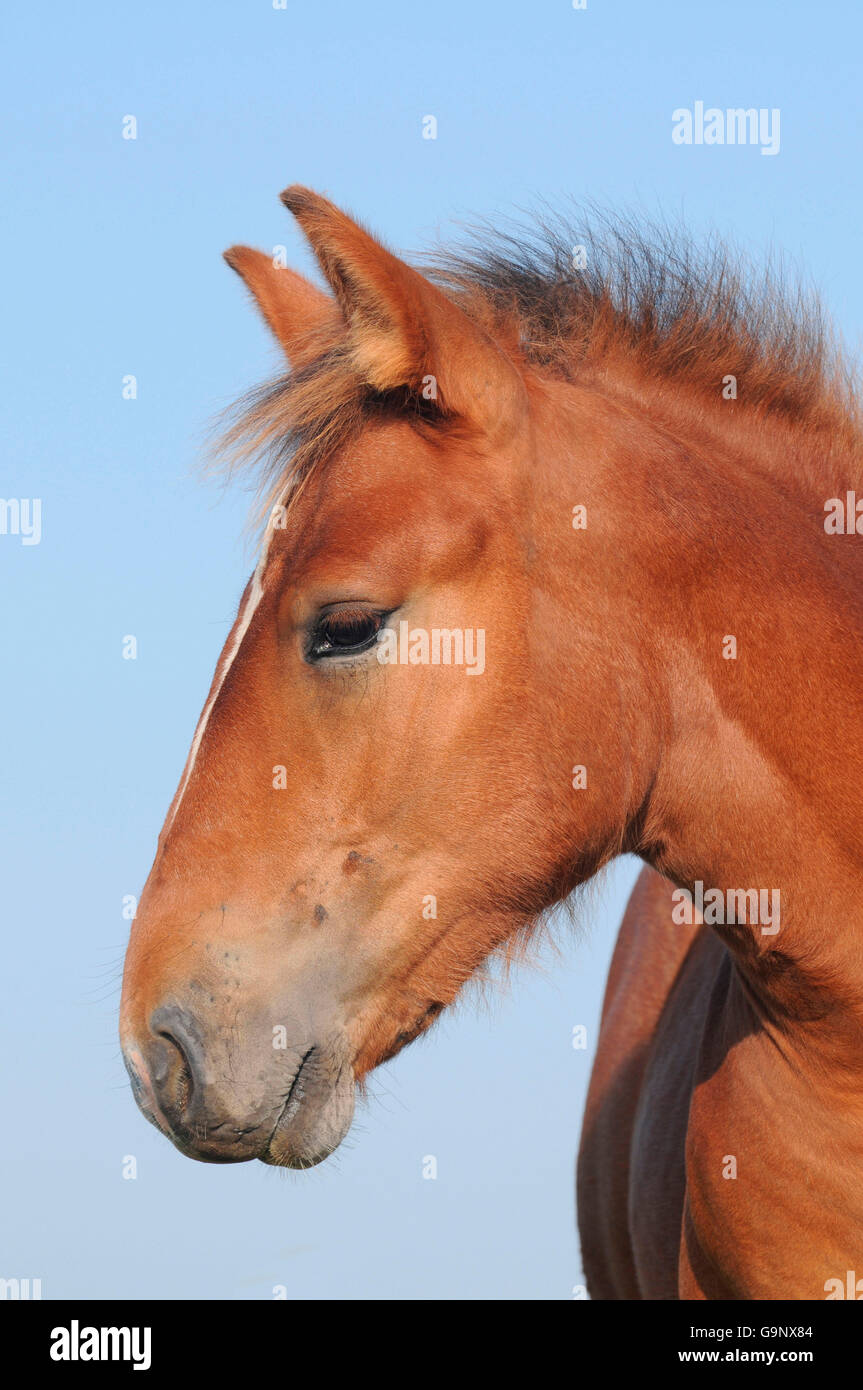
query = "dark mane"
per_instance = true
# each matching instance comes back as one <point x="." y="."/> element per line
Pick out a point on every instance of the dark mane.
<point x="687" y="312"/>
<point x="683" y="313"/>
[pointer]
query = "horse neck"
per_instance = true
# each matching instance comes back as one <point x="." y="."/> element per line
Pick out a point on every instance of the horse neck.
<point x="755" y="752"/>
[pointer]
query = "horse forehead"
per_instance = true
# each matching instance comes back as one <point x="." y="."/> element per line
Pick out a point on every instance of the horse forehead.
<point x="384" y="498"/>
<point x="390" y="467"/>
<point x="380" y="533"/>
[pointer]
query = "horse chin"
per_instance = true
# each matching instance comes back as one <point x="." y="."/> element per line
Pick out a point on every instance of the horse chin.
<point x="314" y="1121"/>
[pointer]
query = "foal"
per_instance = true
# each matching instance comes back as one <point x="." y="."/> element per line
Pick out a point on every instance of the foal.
<point x="619" y="475"/>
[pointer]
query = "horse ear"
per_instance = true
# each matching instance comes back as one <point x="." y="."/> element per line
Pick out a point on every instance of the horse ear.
<point x="302" y="317"/>
<point x="403" y="330"/>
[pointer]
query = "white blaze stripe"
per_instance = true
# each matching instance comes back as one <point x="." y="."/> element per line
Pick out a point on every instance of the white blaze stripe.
<point x="248" y="613"/>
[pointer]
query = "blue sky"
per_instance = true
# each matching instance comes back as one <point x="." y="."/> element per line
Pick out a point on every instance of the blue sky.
<point x="112" y="260"/>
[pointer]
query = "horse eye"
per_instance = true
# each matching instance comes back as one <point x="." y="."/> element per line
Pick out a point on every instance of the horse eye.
<point x="343" y="631"/>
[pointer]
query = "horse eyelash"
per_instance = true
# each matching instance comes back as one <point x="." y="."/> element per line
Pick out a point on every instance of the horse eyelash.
<point x="316" y="635"/>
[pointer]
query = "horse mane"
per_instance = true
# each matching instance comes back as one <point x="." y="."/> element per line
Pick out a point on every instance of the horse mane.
<point x="565" y="295"/>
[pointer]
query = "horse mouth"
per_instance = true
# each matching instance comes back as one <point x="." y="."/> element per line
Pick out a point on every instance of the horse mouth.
<point x="293" y="1102"/>
<point x="316" y="1114"/>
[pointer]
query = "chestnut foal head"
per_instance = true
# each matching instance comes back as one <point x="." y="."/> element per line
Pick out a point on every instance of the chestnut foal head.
<point x="372" y="801"/>
<point x="445" y="700"/>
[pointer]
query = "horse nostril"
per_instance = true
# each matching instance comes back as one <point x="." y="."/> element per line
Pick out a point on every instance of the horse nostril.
<point x="171" y="1077"/>
<point x="171" y="1063"/>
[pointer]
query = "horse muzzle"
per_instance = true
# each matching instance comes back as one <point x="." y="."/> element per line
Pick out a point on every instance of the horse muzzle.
<point x="225" y="1092"/>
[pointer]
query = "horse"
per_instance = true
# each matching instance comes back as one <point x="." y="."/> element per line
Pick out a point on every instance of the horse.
<point x="630" y="467"/>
